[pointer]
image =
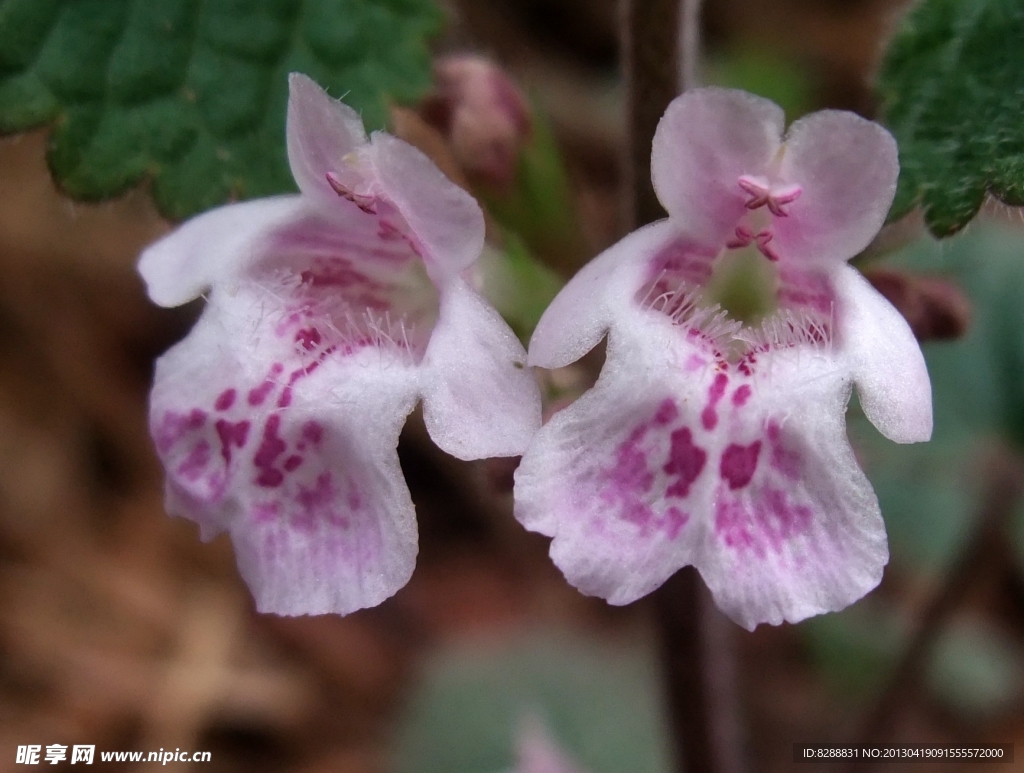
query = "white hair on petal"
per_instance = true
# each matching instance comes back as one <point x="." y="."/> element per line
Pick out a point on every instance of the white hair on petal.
<point x="682" y="305"/>
<point x="786" y="328"/>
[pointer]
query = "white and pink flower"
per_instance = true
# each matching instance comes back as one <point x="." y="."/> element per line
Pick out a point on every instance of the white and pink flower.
<point x="716" y="436"/>
<point x="329" y="315"/>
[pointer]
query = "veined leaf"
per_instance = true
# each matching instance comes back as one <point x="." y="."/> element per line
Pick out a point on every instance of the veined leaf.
<point x="192" y="93"/>
<point x="952" y="90"/>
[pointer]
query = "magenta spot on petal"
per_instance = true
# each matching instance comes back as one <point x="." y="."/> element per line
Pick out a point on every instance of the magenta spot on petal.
<point x="355" y="499"/>
<point x="667" y="413"/>
<point x="313" y="432"/>
<point x="674" y="521"/>
<point x="225" y="400"/>
<point x="317" y="505"/>
<point x="321" y="494"/>
<point x="631" y="475"/>
<point x="741" y="395"/>
<point x="764" y="522"/>
<point x="709" y="416"/>
<point x="270" y="478"/>
<point x="629" y="478"/>
<point x="685" y="460"/>
<point x="786" y="460"/>
<point x="292" y="462"/>
<point x="746" y="365"/>
<point x="309" y="338"/>
<point x="270" y="448"/>
<point x="739" y="463"/>
<point x="174" y="426"/>
<point x="195" y="462"/>
<point x="231" y="433"/>
<point x="780" y="520"/>
<point x="717" y="388"/>
<point x="286" y="396"/>
<point x="258" y="395"/>
<point x="734" y="526"/>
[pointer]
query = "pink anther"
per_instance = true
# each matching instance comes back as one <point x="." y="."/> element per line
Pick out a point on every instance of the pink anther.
<point x="366" y="203"/>
<point x="763" y="239"/>
<point x="762" y="194"/>
<point x="744" y="236"/>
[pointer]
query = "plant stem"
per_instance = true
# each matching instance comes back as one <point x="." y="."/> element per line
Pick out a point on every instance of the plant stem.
<point x="650" y="57"/>
<point x="698" y="649"/>
<point x="660" y="52"/>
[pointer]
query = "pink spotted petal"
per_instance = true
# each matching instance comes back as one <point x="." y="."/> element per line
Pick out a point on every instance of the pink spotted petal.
<point x="888" y="367"/>
<point x="800" y="532"/>
<point x="321" y="132"/>
<point x="297" y="463"/>
<point x="218" y="245"/>
<point x="707" y="140"/>
<point x="593" y="477"/>
<point x="445" y="220"/>
<point x="847" y="167"/>
<point x="599" y="293"/>
<point x="670" y="461"/>
<point x="479" y="398"/>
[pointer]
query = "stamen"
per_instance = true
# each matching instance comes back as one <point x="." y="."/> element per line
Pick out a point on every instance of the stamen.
<point x="743" y="237"/>
<point x="763" y="239"/>
<point x="759" y="192"/>
<point x="367" y="204"/>
<point x="785" y="195"/>
<point x="762" y="193"/>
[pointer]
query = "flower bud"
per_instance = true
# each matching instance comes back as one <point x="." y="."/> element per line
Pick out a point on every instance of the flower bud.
<point x="935" y="308"/>
<point x="483" y="114"/>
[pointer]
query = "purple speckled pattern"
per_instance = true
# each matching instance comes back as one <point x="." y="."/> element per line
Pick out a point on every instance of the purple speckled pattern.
<point x="716" y="441"/>
<point x="329" y="315"/>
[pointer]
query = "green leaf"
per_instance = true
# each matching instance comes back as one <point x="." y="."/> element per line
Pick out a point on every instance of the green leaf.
<point x="538" y="206"/>
<point x="192" y="93"/>
<point x="601" y="704"/>
<point x="952" y="91"/>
